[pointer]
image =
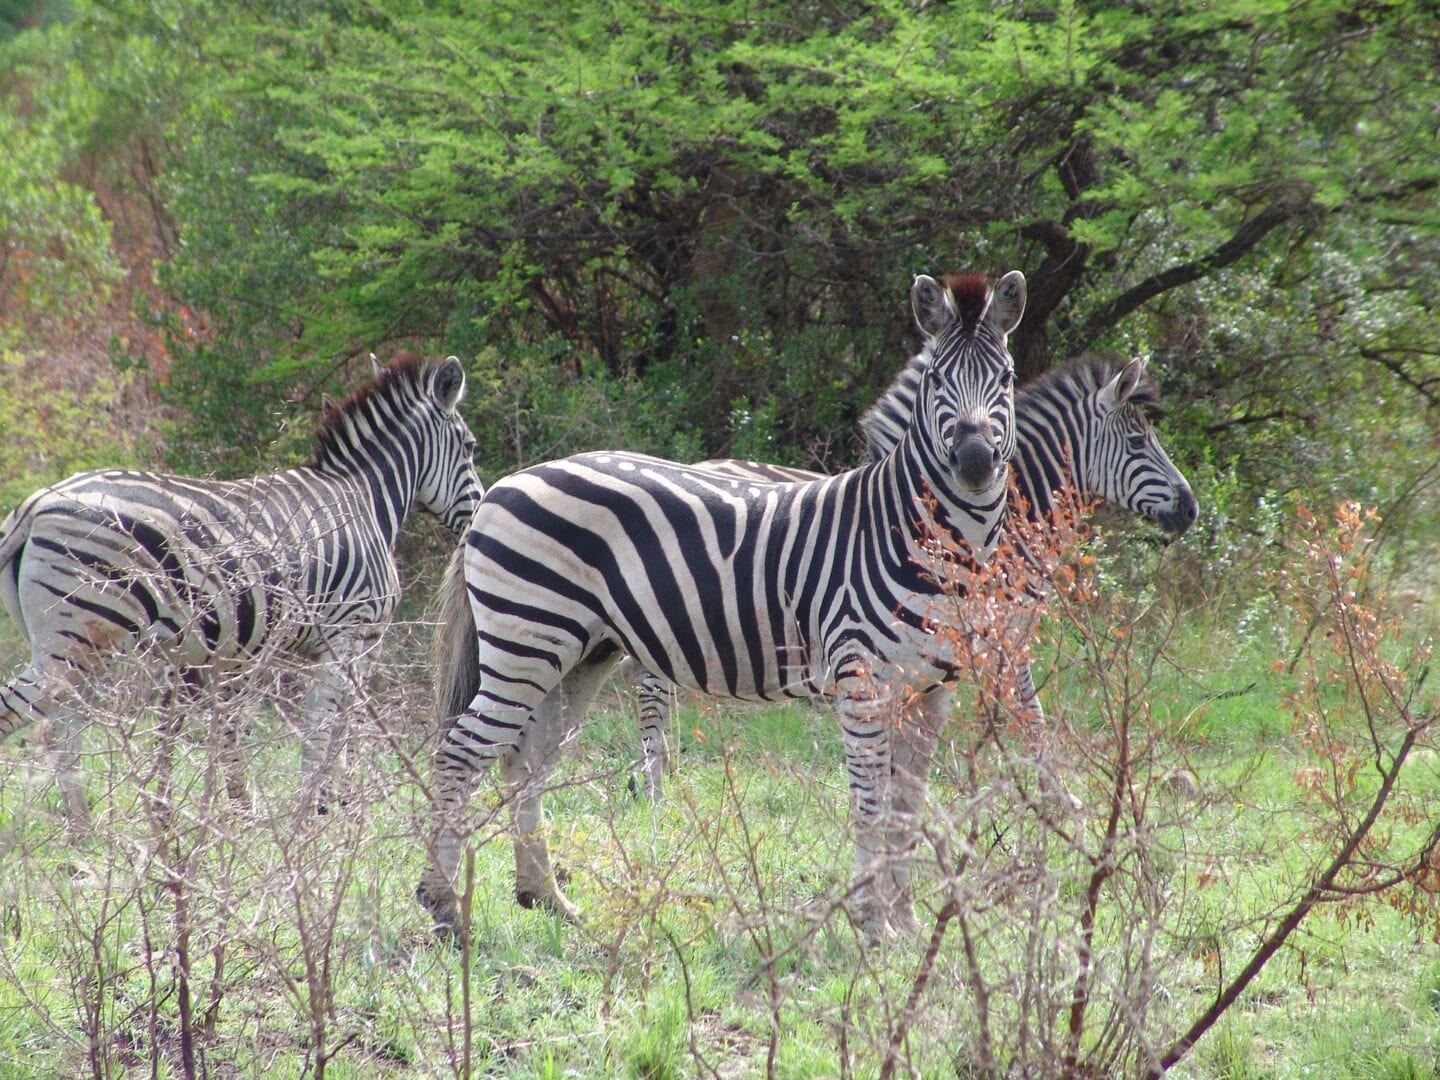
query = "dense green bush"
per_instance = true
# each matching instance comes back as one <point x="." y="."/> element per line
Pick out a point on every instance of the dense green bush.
<point x="52" y="431"/>
<point x="691" y="229"/>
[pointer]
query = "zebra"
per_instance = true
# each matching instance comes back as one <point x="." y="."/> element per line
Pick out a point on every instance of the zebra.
<point x="737" y="589"/>
<point x="1086" y="424"/>
<point x="217" y="576"/>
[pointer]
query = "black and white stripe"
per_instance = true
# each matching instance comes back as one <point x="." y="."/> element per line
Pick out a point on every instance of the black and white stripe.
<point x="214" y="575"/>
<point x="733" y="587"/>
<point x="1084" y="425"/>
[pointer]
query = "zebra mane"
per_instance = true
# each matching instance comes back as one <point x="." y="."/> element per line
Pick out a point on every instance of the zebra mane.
<point x="406" y="370"/>
<point x="884" y="422"/>
<point x="970" y="291"/>
<point x="1091" y="373"/>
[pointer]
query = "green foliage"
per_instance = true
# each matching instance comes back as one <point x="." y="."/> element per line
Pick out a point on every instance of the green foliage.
<point x="721" y="210"/>
<point x="691" y="231"/>
<point x="56" y="259"/>
<point x="52" y="431"/>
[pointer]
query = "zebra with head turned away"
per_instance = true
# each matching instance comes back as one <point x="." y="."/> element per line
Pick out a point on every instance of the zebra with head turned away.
<point x="756" y="591"/>
<point x="213" y="577"/>
<point x="1085" y="425"/>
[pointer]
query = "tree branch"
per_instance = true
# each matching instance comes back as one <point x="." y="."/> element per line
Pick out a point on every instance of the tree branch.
<point x="1259" y="418"/>
<point x="1249" y="234"/>
<point x="1246" y="237"/>
<point x="1422" y="386"/>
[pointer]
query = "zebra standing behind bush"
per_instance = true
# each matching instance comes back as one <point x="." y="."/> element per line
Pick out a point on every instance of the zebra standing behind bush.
<point x="754" y="591"/>
<point x="213" y="575"/>
<point x="1085" y="424"/>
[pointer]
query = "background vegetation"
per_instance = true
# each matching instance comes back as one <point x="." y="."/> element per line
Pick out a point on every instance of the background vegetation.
<point x="690" y="229"/>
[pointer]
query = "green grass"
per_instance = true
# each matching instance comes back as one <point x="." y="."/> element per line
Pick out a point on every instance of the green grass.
<point x="710" y="923"/>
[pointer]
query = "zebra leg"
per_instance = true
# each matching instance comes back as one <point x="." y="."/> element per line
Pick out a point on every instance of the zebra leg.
<point x="36" y="696"/>
<point x="654" y="698"/>
<point x="1033" y="731"/>
<point x="483" y="733"/>
<point x="63" y="736"/>
<point x="526" y="770"/>
<point x="912" y="754"/>
<point x="459" y="763"/>
<point x="227" y="710"/>
<point x="868" y="734"/>
<point x="340" y="678"/>
<point x="232" y="761"/>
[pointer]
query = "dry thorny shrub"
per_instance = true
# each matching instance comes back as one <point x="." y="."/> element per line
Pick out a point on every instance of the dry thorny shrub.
<point x="1078" y="929"/>
<point x="205" y="891"/>
<point x="1056" y="940"/>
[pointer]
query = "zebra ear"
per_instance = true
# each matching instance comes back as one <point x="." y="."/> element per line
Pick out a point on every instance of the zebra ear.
<point x="449" y="384"/>
<point x="1007" y="303"/>
<point x="1127" y="381"/>
<point x="933" y="306"/>
<point x="374" y="366"/>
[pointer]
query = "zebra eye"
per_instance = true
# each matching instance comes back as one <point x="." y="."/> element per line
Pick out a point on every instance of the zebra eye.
<point x="1008" y="379"/>
<point x="1137" y="442"/>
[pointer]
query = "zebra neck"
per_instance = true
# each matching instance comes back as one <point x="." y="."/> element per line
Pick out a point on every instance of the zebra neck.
<point x="1044" y="462"/>
<point x="377" y="465"/>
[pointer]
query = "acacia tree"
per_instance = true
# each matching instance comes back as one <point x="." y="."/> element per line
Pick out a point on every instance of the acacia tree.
<point x="740" y="191"/>
<point x="713" y="211"/>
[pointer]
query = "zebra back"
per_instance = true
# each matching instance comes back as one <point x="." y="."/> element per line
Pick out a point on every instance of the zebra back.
<point x="763" y="471"/>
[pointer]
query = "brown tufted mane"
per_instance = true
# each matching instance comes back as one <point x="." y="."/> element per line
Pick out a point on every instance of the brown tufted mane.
<point x="971" y="291"/>
<point x="406" y="366"/>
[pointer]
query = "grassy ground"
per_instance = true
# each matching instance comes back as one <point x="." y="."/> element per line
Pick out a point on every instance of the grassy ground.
<point x="713" y="943"/>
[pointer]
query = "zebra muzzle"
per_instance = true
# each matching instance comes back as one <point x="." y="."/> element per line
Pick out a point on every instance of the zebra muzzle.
<point x="1181" y="514"/>
<point x="975" y="454"/>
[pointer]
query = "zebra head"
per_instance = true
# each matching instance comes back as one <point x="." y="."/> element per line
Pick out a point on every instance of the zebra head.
<point x="448" y="486"/>
<point x="965" y="405"/>
<point x="1122" y="461"/>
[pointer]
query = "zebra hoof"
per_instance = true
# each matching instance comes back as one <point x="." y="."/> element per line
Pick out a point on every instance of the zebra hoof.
<point x="553" y="902"/>
<point x="902" y="922"/>
<point x="643" y="788"/>
<point x="330" y="801"/>
<point x="444" y="910"/>
<point x="873" y="926"/>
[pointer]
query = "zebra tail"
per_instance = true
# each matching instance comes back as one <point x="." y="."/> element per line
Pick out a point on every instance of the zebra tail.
<point x="14" y="535"/>
<point x="453" y="652"/>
